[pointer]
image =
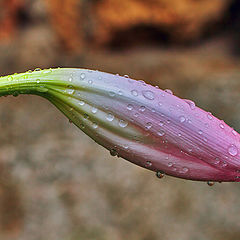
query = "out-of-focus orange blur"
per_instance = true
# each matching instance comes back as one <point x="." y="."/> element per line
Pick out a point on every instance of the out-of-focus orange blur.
<point x="55" y="182"/>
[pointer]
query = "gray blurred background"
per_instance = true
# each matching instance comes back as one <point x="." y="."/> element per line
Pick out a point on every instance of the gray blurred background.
<point x="55" y="182"/>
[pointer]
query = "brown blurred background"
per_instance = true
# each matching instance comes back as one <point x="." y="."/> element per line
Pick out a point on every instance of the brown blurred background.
<point x="55" y="182"/>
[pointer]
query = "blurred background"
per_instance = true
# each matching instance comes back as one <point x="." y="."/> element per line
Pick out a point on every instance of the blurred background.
<point x="55" y="182"/>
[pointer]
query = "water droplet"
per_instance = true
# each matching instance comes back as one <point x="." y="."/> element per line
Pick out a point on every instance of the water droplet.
<point x="160" y="174"/>
<point x="168" y="121"/>
<point x="94" y="110"/>
<point x="134" y="93"/>
<point x="179" y="134"/>
<point x="160" y="104"/>
<point x="170" y="164"/>
<point x="205" y="139"/>
<point x="70" y="79"/>
<point x="209" y="115"/>
<point x="123" y="123"/>
<point x="185" y="169"/>
<point x="148" y="125"/>
<point x="95" y="125"/>
<point x="111" y="94"/>
<point x="160" y="133"/>
<point x="113" y="152"/>
<point x="221" y="126"/>
<point x="161" y="123"/>
<point x="110" y="117"/>
<point x="82" y="76"/>
<point x="190" y="103"/>
<point x="142" y="109"/>
<point x="130" y="107"/>
<point x="120" y="93"/>
<point x="37" y="69"/>
<point x="90" y="81"/>
<point x="148" y="164"/>
<point x="81" y="103"/>
<point x="15" y="94"/>
<point x="148" y="94"/>
<point x="182" y="119"/>
<point x="38" y="80"/>
<point x="70" y="91"/>
<point x="232" y="150"/>
<point x="85" y="115"/>
<point x="126" y="76"/>
<point x="136" y="115"/>
<point x="234" y="132"/>
<point x="168" y="91"/>
<point x="209" y="183"/>
<point x="10" y="78"/>
<point x="200" y="132"/>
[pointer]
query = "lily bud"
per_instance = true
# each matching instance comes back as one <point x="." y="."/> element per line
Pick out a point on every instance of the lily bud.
<point x="138" y="122"/>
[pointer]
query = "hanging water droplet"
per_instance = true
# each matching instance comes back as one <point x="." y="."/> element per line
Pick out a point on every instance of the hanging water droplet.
<point x="110" y="117"/>
<point x="82" y="76"/>
<point x="168" y="91"/>
<point x="123" y="123"/>
<point x="148" y="94"/>
<point x="94" y="110"/>
<point x="130" y="107"/>
<point x="134" y="93"/>
<point x="209" y="183"/>
<point x="209" y="115"/>
<point x="160" y="174"/>
<point x="113" y="152"/>
<point x="182" y="119"/>
<point x="232" y="150"/>
<point x="142" y="109"/>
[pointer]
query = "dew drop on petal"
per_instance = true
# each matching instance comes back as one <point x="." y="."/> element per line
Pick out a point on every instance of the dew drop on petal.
<point x="110" y="117"/>
<point x="148" y="94"/>
<point x="185" y="169"/>
<point x="221" y="126"/>
<point x="190" y="103"/>
<point x="123" y="123"/>
<point x="82" y="76"/>
<point x="134" y="93"/>
<point x="142" y="109"/>
<point x="148" y="164"/>
<point x="170" y="164"/>
<point x="200" y="132"/>
<point x="148" y="125"/>
<point x="81" y="103"/>
<point x="234" y="132"/>
<point x="161" y="123"/>
<point x="94" y="110"/>
<point x="232" y="150"/>
<point x="130" y="107"/>
<point x="111" y="94"/>
<point x="90" y="81"/>
<point x="182" y="119"/>
<point x="209" y="115"/>
<point x="168" y="91"/>
<point x="160" y="133"/>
